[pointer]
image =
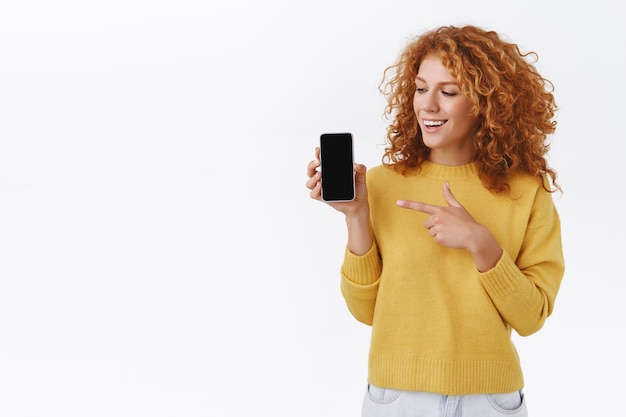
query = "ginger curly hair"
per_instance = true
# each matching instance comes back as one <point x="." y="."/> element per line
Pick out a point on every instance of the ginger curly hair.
<point x="512" y="102"/>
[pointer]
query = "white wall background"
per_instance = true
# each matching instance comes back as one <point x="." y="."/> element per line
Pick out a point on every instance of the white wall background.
<point x="159" y="253"/>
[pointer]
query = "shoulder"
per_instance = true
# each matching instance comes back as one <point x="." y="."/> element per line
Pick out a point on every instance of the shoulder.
<point x="528" y="188"/>
<point x="381" y="169"/>
<point x="381" y="173"/>
<point x="524" y="184"/>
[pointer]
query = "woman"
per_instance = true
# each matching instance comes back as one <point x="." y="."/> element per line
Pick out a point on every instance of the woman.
<point x="454" y="240"/>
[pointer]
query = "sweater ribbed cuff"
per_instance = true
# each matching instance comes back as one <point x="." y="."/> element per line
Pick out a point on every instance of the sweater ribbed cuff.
<point x="503" y="279"/>
<point x="362" y="270"/>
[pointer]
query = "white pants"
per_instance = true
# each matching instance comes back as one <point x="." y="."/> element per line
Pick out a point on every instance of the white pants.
<point x="383" y="402"/>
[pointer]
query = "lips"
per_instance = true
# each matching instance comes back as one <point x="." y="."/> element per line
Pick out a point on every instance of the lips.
<point x="433" y="123"/>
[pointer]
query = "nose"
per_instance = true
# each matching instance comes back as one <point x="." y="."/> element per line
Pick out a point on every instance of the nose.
<point x="428" y="102"/>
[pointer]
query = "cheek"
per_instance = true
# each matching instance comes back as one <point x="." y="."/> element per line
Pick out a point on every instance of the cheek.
<point x="469" y="107"/>
<point x="416" y="105"/>
<point x="468" y="122"/>
<point x="464" y="115"/>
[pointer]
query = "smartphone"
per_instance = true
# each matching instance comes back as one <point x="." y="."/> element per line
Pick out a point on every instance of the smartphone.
<point x="337" y="166"/>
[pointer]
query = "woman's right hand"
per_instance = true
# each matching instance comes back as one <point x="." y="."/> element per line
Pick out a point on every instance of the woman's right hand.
<point x="357" y="213"/>
<point x="349" y="208"/>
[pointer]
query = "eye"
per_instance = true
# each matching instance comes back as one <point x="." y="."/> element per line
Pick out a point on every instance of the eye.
<point x="420" y="90"/>
<point x="448" y="93"/>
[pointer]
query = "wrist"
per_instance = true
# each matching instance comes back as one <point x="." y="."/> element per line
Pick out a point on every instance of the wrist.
<point x="360" y="239"/>
<point x="356" y="217"/>
<point x="485" y="250"/>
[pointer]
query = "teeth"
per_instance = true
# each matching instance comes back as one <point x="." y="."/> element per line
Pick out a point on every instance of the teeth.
<point x="433" y="122"/>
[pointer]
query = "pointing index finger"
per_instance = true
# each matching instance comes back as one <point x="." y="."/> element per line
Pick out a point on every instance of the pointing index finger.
<point x="417" y="206"/>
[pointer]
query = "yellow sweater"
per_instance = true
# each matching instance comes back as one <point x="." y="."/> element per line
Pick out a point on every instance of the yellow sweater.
<point x="439" y="325"/>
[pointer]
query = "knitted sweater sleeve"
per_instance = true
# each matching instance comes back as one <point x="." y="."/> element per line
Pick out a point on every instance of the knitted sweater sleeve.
<point x="524" y="289"/>
<point x="360" y="276"/>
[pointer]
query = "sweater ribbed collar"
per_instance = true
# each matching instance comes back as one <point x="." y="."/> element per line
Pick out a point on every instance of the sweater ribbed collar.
<point x="447" y="172"/>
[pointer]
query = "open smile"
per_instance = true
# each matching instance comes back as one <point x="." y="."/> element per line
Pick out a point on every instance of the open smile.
<point x="432" y="125"/>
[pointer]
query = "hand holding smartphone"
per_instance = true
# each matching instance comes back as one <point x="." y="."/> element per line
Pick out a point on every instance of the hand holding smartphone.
<point x="337" y="166"/>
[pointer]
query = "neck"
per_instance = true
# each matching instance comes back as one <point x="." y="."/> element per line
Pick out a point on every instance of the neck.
<point x="451" y="159"/>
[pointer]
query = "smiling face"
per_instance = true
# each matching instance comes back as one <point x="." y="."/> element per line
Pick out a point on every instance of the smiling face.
<point x="444" y="114"/>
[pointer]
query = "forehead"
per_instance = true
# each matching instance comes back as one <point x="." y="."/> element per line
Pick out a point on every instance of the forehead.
<point x="432" y="69"/>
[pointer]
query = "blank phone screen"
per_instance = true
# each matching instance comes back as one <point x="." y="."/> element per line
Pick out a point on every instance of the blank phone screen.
<point x="337" y="167"/>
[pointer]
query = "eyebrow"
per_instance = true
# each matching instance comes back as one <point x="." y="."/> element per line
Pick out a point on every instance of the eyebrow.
<point x="439" y="83"/>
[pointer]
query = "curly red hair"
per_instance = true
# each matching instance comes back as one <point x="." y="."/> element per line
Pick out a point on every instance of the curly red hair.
<point x="512" y="102"/>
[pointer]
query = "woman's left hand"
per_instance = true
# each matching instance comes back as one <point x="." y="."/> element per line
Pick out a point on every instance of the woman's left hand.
<point x="453" y="226"/>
